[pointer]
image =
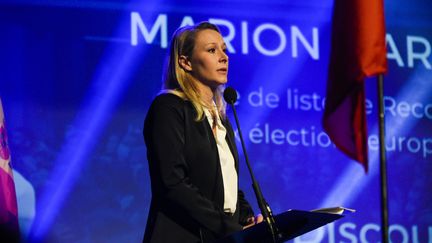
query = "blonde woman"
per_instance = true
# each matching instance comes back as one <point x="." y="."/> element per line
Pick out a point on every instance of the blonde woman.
<point x="191" y="151"/>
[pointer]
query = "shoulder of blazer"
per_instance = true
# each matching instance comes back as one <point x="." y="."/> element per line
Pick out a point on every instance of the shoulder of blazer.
<point x="175" y="104"/>
<point x="165" y="106"/>
<point x="168" y="99"/>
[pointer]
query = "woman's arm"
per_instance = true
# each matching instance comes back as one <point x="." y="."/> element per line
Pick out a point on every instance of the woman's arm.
<point x="165" y="138"/>
<point x="246" y="211"/>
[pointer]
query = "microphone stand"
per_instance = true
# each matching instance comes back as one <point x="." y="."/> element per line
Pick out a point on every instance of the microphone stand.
<point x="263" y="205"/>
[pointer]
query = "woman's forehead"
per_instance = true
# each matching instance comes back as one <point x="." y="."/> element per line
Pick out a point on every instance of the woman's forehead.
<point x="208" y="36"/>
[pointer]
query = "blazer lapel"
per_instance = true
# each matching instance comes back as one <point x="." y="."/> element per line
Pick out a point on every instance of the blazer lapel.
<point x="229" y="137"/>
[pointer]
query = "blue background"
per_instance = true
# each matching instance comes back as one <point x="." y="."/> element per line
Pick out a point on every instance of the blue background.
<point x="75" y="92"/>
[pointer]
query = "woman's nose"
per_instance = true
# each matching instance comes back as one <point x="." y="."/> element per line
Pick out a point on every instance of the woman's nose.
<point x="223" y="57"/>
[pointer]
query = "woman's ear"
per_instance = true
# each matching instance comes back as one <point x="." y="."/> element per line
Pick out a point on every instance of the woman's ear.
<point x="185" y="63"/>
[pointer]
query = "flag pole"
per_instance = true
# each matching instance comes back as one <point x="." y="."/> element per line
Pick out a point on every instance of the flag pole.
<point x="383" y="162"/>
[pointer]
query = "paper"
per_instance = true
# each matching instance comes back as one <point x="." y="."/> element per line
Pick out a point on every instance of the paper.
<point x="334" y="210"/>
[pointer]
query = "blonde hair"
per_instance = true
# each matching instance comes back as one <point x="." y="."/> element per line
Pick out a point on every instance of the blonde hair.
<point x="179" y="82"/>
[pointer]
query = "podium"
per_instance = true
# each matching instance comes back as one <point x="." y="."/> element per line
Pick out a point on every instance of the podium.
<point x="291" y="224"/>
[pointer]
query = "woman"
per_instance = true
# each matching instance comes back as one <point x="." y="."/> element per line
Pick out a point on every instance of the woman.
<point x="191" y="151"/>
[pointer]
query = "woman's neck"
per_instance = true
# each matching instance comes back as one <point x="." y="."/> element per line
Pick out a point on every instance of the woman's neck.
<point x="206" y="93"/>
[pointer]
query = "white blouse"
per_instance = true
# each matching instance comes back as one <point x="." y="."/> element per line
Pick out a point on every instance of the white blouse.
<point x="229" y="173"/>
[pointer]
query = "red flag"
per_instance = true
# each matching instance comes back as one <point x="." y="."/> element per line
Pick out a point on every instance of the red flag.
<point x="8" y="202"/>
<point x="357" y="51"/>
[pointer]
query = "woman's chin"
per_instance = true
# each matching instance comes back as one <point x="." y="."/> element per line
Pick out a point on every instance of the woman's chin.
<point x="223" y="81"/>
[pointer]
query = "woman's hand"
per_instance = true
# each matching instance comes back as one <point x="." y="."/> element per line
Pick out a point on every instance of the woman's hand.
<point x="253" y="221"/>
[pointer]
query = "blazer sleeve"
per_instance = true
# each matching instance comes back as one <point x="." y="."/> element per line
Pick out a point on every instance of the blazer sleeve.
<point x="246" y="210"/>
<point x="165" y="138"/>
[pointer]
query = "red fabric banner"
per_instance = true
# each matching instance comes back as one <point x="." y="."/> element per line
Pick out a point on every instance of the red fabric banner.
<point x="357" y="51"/>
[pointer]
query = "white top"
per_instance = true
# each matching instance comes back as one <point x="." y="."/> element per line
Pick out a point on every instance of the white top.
<point x="229" y="173"/>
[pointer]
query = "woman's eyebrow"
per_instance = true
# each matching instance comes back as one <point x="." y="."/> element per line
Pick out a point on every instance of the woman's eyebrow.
<point x="211" y="43"/>
<point x="215" y="43"/>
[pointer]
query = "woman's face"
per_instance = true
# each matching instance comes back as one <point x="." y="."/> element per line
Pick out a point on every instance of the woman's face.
<point x="209" y="61"/>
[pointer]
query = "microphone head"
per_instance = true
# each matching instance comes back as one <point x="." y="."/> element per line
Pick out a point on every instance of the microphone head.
<point x="230" y="95"/>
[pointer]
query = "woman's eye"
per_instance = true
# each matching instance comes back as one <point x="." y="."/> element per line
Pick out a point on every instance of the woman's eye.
<point x="212" y="50"/>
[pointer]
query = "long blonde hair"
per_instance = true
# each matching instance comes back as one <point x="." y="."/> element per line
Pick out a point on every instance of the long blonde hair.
<point x="181" y="83"/>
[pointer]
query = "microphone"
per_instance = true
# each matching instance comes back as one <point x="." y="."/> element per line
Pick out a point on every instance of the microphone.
<point x="230" y="96"/>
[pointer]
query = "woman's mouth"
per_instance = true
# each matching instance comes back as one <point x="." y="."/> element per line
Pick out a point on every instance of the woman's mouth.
<point x="222" y="70"/>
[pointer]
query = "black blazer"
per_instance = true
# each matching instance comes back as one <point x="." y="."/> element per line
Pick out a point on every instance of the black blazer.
<point x="186" y="178"/>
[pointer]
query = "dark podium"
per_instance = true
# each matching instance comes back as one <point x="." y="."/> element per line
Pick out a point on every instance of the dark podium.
<point x="285" y="226"/>
<point x="291" y="224"/>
